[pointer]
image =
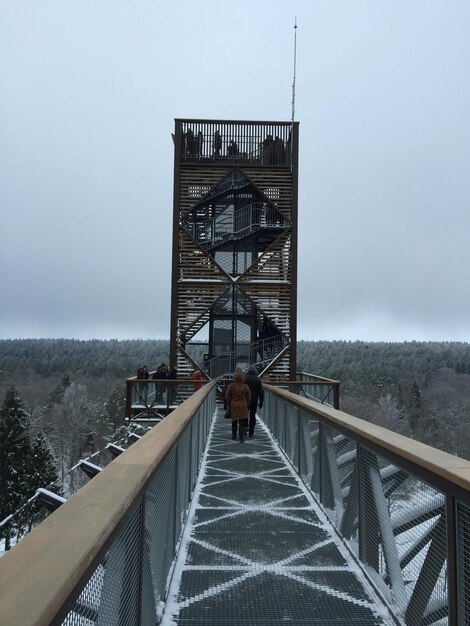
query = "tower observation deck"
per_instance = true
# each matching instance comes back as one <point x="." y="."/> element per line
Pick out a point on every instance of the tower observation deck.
<point x="234" y="271"/>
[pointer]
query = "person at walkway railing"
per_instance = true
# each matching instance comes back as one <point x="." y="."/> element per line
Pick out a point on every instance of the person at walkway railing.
<point x="257" y="395"/>
<point x="161" y="373"/>
<point x="238" y="398"/>
<point x="143" y="373"/>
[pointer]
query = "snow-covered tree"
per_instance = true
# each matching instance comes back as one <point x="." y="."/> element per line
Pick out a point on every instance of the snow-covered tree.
<point x="415" y="409"/>
<point x="75" y="430"/>
<point x="114" y="408"/>
<point x="57" y="394"/>
<point x="15" y="460"/>
<point x="389" y="414"/>
<point x="122" y="434"/>
<point x="43" y="472"/>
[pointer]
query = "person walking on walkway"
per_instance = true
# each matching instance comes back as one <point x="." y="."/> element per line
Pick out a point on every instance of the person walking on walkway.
<point x="238" y="397"/>
<point x="257" y="395"/>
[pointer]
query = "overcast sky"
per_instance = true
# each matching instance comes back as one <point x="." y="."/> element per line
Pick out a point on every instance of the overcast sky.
<point x="89" y="90"/>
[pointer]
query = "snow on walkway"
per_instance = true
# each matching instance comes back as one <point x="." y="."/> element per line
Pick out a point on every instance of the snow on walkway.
<point x="257" y="549"/>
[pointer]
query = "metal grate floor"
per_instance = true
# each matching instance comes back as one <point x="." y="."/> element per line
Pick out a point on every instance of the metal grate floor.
<point x="258" y="551"/>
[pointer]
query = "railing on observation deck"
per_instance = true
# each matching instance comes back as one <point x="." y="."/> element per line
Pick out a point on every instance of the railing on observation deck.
<point x="148" y="397"/>
<point x="248" y="143"/>
<point x="259" y="353"/>
<point x="105" y="555"/>
<point x="402" y="507"/>
<point x="322" y="390"/>
<point x="231" y="225"/>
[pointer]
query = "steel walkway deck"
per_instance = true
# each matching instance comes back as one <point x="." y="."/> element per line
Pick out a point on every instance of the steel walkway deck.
<point x="258" y="550"/>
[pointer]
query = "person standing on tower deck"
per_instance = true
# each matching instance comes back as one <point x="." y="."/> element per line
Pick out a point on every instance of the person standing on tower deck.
<point x="232" y="149"/>
<point x="217" y="143"/>
<point x="257" y="395"/>
<point x="279" y="152"/>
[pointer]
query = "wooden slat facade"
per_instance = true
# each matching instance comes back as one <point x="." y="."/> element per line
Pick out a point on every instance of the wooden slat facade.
<point x="229" y="175"/>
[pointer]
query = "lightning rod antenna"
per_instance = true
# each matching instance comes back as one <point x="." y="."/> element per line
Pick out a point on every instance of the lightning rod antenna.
<point x="295" y="65"/>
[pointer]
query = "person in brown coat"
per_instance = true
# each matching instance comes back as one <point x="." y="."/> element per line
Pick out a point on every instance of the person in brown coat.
<point x="238" y="398"/>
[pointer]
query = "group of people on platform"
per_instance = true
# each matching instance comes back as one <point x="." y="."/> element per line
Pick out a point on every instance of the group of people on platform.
<point x="161" y="373"/>
<point x="192" y="145"/>
<point x="242" y="398"/>
<point x="273" y="150"/>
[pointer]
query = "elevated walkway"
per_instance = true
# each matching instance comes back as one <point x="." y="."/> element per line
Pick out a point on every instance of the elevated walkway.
<point x="320" y="519"/>
<point x="258" y="550"/>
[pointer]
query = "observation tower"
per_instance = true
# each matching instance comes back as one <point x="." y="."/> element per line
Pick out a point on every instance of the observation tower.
<point x="234" y="266"/>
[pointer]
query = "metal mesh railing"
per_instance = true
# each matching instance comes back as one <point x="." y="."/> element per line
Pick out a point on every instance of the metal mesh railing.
<point x="463" y="562"/>
<point x="128" y="586"/>
<point x="259" y="353"/>
<point x="115" y="541"/>
<point x="99" y="603"/>
<point x="154" y="398"/>
<point x="318" y="388"/>
<point x="232" y="224"/>
<point x="394" y="518"/>
<point x="308" y="445"/>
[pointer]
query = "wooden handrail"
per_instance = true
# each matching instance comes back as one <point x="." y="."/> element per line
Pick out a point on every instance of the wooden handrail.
<point x="301" y="383"/>
<point x="314" y="378"/>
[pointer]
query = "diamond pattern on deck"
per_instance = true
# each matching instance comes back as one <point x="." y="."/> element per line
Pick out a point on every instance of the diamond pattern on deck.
<point x="260" y="551"/>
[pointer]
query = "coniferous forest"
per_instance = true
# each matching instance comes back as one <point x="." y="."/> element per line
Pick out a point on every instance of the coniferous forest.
<point x="66" y="397"/>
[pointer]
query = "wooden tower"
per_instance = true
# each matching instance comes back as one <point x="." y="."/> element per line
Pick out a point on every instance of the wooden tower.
<point x="234" y="278"/>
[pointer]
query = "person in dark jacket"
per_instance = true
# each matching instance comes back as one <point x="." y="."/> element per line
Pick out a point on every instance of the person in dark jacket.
<point x="257" y="396"/>
<point x="217" y="143"/>
<point x="238" y="401"/>
<point x="160" y="374"/>
<point x="143" y="374"/>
